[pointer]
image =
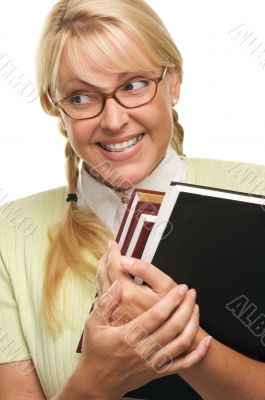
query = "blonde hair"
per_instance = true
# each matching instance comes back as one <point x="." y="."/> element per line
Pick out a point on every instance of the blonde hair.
<point x="102" y="31"/>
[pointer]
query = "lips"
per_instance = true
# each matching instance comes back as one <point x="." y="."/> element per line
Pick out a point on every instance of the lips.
<point x="121" y="146"/>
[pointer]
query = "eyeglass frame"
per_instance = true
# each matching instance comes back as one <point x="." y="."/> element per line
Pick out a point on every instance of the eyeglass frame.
<point x="110" y="95"/>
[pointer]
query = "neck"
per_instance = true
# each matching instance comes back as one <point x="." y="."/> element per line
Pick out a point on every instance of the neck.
<point x="95" y="174"/>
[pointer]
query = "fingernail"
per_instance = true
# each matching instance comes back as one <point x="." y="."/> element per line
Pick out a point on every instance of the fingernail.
<point x="196" y="309"/>
<point x="192" y="293"/>
<point x="126" y="261"/>
<point x="182" y="289"/>
<point x="110" y="247"/>
<point x="114" y="287"/>
<point x="161" y="363"/>
<point x="208" y="340"/>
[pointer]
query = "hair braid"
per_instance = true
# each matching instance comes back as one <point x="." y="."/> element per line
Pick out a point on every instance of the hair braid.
<point x="72" y="171"/>
<point x="178" y="134"/>
<point x="81" y="230"/>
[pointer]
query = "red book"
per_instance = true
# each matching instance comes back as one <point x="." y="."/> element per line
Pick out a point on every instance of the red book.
<point x="142" y="238"/>
<point x="142" y="203"/>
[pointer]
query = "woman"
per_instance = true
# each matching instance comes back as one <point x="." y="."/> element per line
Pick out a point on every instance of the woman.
<point x="112" y="78"/>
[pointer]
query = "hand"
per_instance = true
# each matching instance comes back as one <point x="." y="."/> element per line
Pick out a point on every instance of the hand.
<point x="136" y="298"/>
<point x="116" y="360"/>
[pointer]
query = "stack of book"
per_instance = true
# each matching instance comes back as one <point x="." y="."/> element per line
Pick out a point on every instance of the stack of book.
<point x="214" y="241"/>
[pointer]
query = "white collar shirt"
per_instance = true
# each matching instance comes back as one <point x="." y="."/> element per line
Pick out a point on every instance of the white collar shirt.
<point x="107" y="202"/>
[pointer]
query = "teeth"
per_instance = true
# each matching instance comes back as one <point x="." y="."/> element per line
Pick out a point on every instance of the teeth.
<point x="121" y="146"/>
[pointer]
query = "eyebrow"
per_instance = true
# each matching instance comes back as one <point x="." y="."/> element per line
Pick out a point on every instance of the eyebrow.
<point x="122" y="76"/>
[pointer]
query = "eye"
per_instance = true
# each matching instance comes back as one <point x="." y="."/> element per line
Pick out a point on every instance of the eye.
<point x="135" y="85"/>
<point x="82" y="99"/>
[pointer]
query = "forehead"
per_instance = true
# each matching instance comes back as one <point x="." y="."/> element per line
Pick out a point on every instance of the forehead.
<point x="85" y="62"/>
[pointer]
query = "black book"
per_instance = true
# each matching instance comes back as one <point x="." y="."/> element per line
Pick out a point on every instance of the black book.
<point x="214" y="241"/>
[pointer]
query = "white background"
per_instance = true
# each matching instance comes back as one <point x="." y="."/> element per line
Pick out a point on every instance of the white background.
<point x="222" y="97"/>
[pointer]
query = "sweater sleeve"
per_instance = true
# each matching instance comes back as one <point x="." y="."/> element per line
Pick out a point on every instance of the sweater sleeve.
<point x="13" y="347"/>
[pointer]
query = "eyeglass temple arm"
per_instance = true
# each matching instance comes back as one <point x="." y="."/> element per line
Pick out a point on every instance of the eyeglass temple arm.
<point x="55" y="103"/>
<point x="164" y="73"/>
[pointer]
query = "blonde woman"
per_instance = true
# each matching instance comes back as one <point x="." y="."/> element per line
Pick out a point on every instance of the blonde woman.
<point x="111" y="75"/>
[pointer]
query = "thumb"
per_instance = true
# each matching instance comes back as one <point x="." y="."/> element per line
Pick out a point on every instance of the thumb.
<point x="106" y="304"/>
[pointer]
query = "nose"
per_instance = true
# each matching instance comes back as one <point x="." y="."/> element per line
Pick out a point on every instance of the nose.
<point x="114" y="117"/>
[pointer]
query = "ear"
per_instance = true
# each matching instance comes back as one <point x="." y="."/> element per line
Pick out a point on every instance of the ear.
<point x="174" y="85"/>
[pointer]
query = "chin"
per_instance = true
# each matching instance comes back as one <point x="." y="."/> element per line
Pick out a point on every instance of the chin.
<point x="126" y="181"/>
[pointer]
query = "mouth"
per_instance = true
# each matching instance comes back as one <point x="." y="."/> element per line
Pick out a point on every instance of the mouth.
<point x="119" y="147"/>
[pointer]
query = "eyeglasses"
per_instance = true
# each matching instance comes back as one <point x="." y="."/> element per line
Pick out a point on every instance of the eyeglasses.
<point x="132" y="94"/>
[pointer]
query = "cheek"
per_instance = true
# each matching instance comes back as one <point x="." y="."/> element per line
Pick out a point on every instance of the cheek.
<point x="161" y="121"/>
<point x="78" y="132"/>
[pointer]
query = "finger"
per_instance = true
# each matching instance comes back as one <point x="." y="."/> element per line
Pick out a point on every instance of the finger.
<point x="113" y="267"/>
<point x="152" y="319"/>
<point x="188" y="361"/>
<point x="178" y="320"/>
<point x="182" y="342"/>
<point x="113" y="252"/>
<point x="105" y="305"/>
<point x="153" y="276"/>
<point x="103" y="282"/>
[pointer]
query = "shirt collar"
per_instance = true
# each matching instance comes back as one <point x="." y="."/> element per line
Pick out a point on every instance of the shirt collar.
<point x="107" y="202"/>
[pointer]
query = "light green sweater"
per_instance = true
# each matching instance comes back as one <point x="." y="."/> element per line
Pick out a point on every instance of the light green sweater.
<point x="23" y="245"/>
